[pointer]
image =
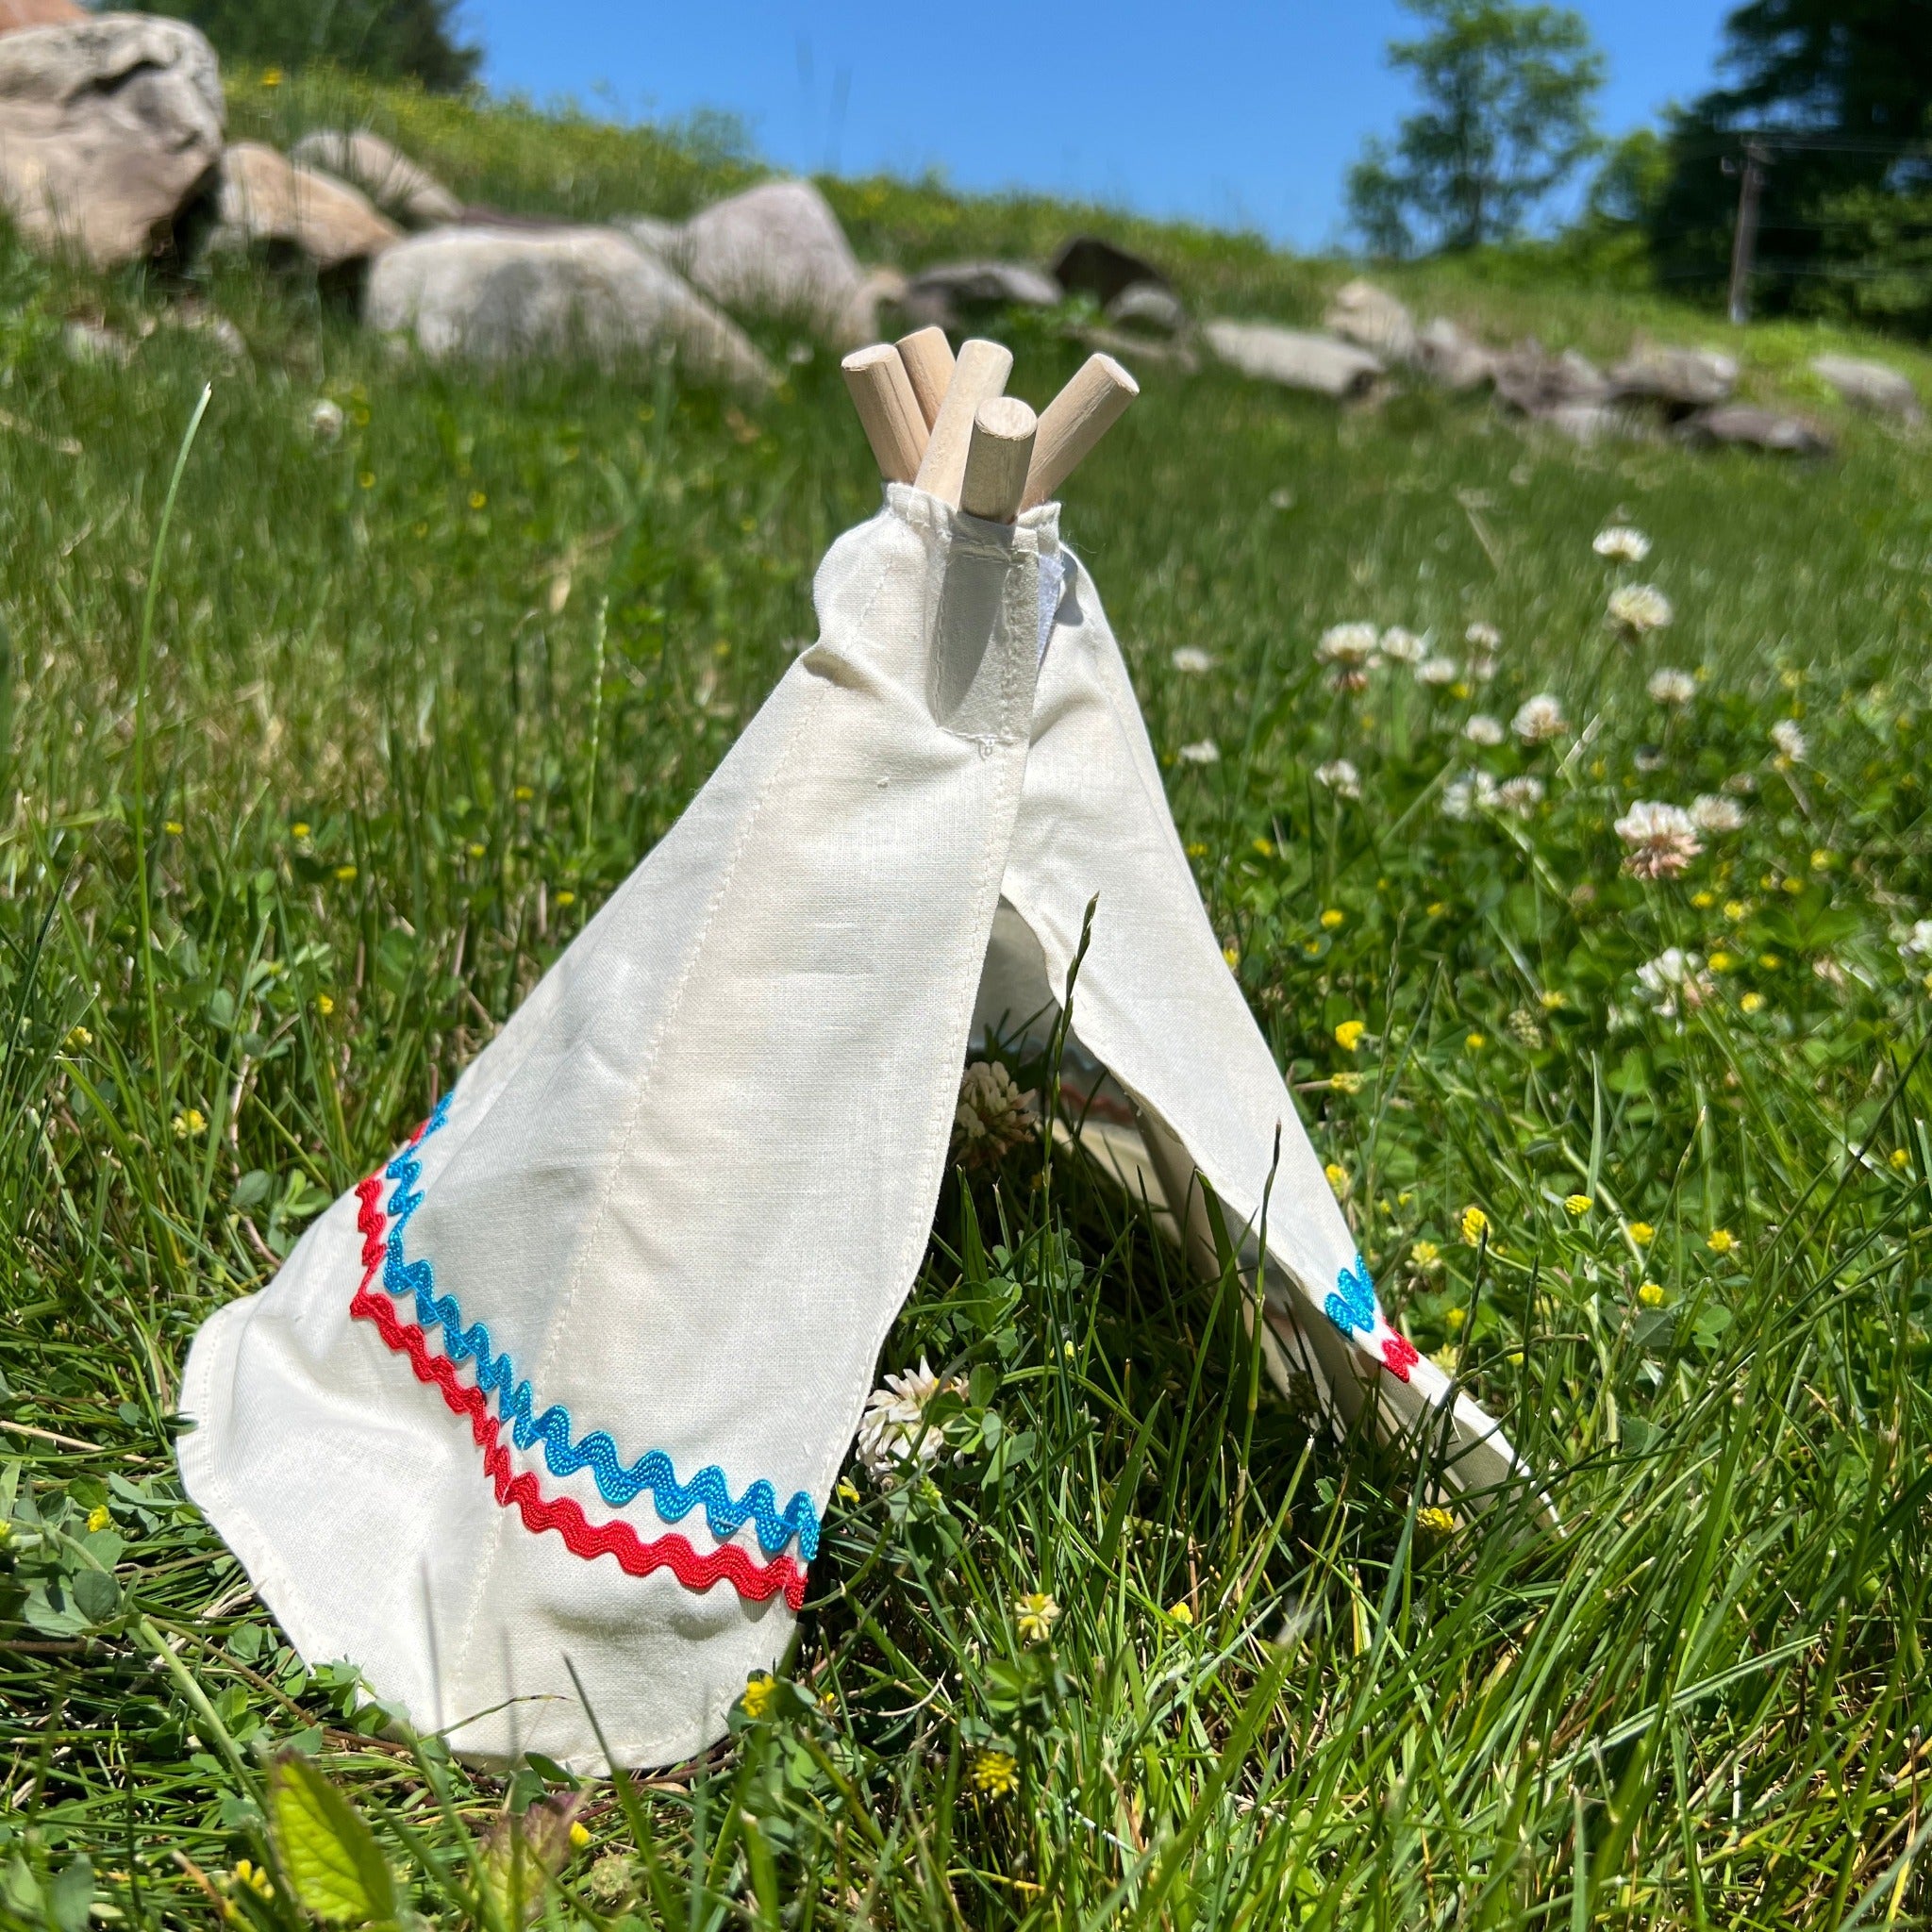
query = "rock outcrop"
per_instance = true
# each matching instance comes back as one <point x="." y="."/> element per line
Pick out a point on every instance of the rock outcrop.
<point x="777" y="249"/>
<point x="402" y="189"/>
<point x="265" y="202"/>
<point x="1679" y="379"/>
<point x="1294" y="358"/>
<point x="1372" y="319"/>
<point x="1870" y="386"/>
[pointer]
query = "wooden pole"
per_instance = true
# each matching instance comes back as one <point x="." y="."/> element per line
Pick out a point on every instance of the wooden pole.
<point x="1745" y="235"/>
<point x="979" y="374"/>
<point x="882" y="394"/>
<point x="928" y="359"/>
<point x="1074" y="422"/>
<point x="998" y="459"/>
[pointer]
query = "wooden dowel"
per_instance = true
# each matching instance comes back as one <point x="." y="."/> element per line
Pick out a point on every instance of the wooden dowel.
<point x="979" y="376"/>
<point x="998" y="459"/>
<point x="1074" y="422"/>
<point x="928" y="359"/>
<point x="882" y="394"/>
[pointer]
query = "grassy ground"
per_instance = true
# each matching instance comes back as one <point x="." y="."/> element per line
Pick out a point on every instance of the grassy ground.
<point x="297" y="803"/>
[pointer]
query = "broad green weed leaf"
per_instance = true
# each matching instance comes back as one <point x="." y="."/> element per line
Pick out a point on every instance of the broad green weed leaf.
<point x="333" y="1863"/>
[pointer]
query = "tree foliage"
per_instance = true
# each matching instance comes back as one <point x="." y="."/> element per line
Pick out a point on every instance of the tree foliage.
<point x="1842" y="90"/>
<point x="1505" y="117"/>
<point x="393" y="40"/>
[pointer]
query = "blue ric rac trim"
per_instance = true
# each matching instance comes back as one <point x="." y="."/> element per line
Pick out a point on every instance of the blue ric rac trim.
<point x="1352" y="1307"/>
<point x="497" y="1375"/>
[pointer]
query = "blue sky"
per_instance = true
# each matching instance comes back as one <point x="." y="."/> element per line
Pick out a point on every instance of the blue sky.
<point x="1232" y="113"/>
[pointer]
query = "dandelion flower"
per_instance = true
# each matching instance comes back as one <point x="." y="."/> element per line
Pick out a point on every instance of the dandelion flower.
<point x="1192" y="659"/>
<point x="1484" y="730"/>
<point x="1474" y="1225"/>
<point x="1539" y="719"/>
<point x="1712" y="812"/>
<point x="1436" y="672"/>
<point x="1639" y="608"/>
<point x="1348" y="1036"/>
<point x="992" y="1117"/>
<point x="1576" y="1206"/>
<point x="894" y="1430"/>
<point x="1341" y="777"/>
<point x="1621" y="543"/>
<point x="1520" y="795"/>
<point x="758" y="1695"/>
<point x="1720" y="1241"/>
<point x="1789" y="739"/>
<point x="1668" y="687"/>
<point x="1401" y="646"/>
<point x="994" y="1774"/>
<point x="1661" y="837"/>
<point x="1651" y="1296"/>
<point x="1034" y="1614"/>
<point x="1202" y="752"/>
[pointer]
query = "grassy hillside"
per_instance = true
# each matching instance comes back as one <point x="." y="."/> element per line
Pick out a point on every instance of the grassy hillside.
<point x="297" y="803"/>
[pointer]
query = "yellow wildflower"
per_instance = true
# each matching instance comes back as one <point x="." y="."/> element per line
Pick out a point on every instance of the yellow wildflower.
<point x="173" y="827"/>
<point x="1555" y="1002"/>
<point x="1476" y="1042"/>
<point x="1197" y="850"/>
<point x="566" y="897"/>
<point x="1424" y="1255"/>
<point x="476" y="850"/>
<point x="1721" y="961"/>
<point x="1651" y="1296"/>
<point x="97" y="1518"/>
<point x="1769" y="962"/>
<point x="580" y="1834"/>
<point x="1264" y="848"/>
<point x="1576" y="1205"/>
<point x="1735" y="910"/>
<point x="366" y="479"/>
<point x="523" y="795"/>
<point x="1348" y="1036"/>
<point x="759" y="1693"/>
<point x="190" y="1121"/>
<point x="1181" y="1613"/>
<point x="1752" y="1002"/>
<point x="79" y="1036"/>
<point x="1454" y="1320"/>
<point x="1475" y="1224"/>
<point x="1338" y="1180"/>
<point x="1232" y="955"/>
<point x="1901" y="1159"/>
<point x="1035" y="1613"/>
<point x="300" y="829"/>
<point x="1643" y="1233"/>
<point x="1345" y="1083"/>
<point x="1332" y="917"/>
<point x="477" y="499"/>
<point x="994" y="1774"/>
<point x="345" y="873"/>
<point x="1436" y="907"/>
<point x="848" y="1489"/>
<point x="1704" y="900"/>
<point x="324" y="1004"/>
<point x="1433" y="1520"/>
<point x="1720" y="1241"/>
<point x="251" y="1874"/>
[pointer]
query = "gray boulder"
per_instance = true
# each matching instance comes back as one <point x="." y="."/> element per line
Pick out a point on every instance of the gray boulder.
<point x="1091" y="265"/>
<point x="1294" y="358"/>
<point x="1677" y="379"/>
<point x="507" y="295"/>
<point x="1449" y="355"/>
<point x="402" y="189"/>
<point x="1150" y="306"/>
<point x="1742" y="425"/>
<point x="945" y="296"/>
<point x="1529" y="378"/>
<point x="265" y="202"/>
<point x="777" y="249"/>
<point x="1372" y="319"/>
<point x="1870" y="386"/>
<point x="109" y="129"/>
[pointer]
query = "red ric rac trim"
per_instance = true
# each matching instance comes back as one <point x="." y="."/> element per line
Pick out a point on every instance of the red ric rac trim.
<point x="1399" y="1355"/>
<point x="586" y="1539"/>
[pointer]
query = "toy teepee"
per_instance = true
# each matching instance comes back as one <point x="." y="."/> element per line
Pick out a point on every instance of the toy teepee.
<point x="555" y="1398"/>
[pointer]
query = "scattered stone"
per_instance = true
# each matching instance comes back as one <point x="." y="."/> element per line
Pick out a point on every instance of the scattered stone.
<point x="402" y="189"/>
<point x="1870" y="386"/>
<point x="1530" y="379"/>
<point x="109" y="128"/>
<point x="1091" y="265"/>
<point x="505" y="296"/>
<point x="87" y="339"/>
<point x="1746" y="426"/>
<point x="1448" y="356"/>
<point x="777" y="249"/>
<point x="1138" y="351"/>
<point x="665" y="240"/>
<point x="1372" y="319"/>
<point x="1586" y="422"/>
<point x="192" y="318"/>
<point x="15" y="14"/>
<point x="1150" y="306"/>
<point x="945" y="295"/>
<point x="1294" y="358"/>
<point x="1678" y="378"/>
<point x="265" y="202"/>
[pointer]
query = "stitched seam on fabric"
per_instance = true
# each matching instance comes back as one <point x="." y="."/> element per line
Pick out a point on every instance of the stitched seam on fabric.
<point x="622" y="1147"/>
<point x="538" y="1512"/>
<point x="724" y="1514"/>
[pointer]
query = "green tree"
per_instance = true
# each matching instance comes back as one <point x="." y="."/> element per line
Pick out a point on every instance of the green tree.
<point x="1505" y="117"/>
<point x="1842" y="92"/>
<point x="393" y="38"/>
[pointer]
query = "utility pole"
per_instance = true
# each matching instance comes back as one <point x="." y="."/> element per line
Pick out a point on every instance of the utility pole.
<point x="1744" y="237"/>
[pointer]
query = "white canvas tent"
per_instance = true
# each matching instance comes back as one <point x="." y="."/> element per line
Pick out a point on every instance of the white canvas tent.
<point x="557" y="1396"/>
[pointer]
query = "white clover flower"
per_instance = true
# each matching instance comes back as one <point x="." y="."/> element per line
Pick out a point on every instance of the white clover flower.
<point x="1673" y="976"/>
<point x="1483" y="637"/>
<point x="1192" y="659"/>
<point x="1538" y="719"/>
<point x="1401" y="646"/>
<point x="1668" y="687"/>
<point x="1203" y="752"/>
<point x="325" y="421"/>
<point x="1639" y="608"/>
<point x="1789" y="739"/>
<point x="893" y="1437"/>
<point x="993" y="1116"/>
<point x="1465" y="797"/>
<point x="1621" y="543"/>
<point x="1340" y="779"/>
<point x="1661" y="837"/>
<point x="1436" y="672"/>
<point x="1917" y="944"/>
<point x="1711" y="811"/>
<point x="1482" y="729"/>
<point x="1350" y="645"/>
<point x="1520" y="795"/>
